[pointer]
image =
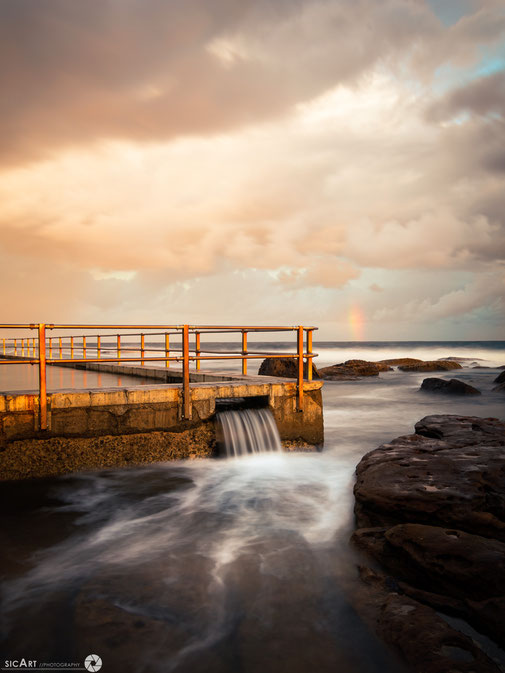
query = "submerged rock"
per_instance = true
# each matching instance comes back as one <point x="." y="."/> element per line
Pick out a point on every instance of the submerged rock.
<point x="451" y="387"/>
<point x="430" y="507"/>
<point x="430" y="366"/>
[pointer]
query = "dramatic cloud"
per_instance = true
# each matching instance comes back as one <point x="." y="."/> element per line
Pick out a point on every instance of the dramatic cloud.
<point x="253" y="161"/>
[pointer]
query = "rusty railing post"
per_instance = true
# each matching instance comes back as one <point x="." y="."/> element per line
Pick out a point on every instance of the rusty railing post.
<point x="42" y="378"/>
<point x="15" y="346"/>
<point x="309" y="355"/>
<point x="300" y="368"/>
<point x="186" y="401"/>
<point x="4" y="344"/>
<point x="50" y="348"/>
<point x="142" y="348"/>
<point x="98" y="346"/>
<point x="118" y="346"/>
<point x="71" y="347"/>
<point x="167" y="350"/>
<point x="244" y="352"/>
<point x="83" y="347"/>
<point x="61" y="349"/>
<point x="197" y="350"/>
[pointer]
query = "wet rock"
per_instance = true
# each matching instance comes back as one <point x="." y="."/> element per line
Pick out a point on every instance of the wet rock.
<point x="285" y="368"/>
<point x="430" y="366"/>
<point x="451" y="387"/>
<point x="401" y="361"/>
<point x="442" y="560"/>
<point x="430" y="508"/>
<point x="500" y="388"/>
<point x="450" y="473"/>
<point x="353" y="369"/>
<point x="426" y="641"/>
<point x="423" y="639"/>
<point x="500" y="378"/>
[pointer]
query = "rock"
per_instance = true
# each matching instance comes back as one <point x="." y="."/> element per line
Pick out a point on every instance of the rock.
<point x="285" y="368"/>
<point x="500" y="388"/>
<point x="401" y="361"/>
<point x="353" y="369"/>
<point x="500" y="378"/>
<point x="441" y="560"/>
<point x="450" y="473"/>
<point x="424" y="640"/>
<point x="430" y="366"/>
<point x="452" y="387"/>
<point x="430" y="508"/>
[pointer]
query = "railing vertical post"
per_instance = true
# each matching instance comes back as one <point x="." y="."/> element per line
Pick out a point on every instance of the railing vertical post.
<point x="33" y="347"/>
<point x="142" y="348"/>
<point x="71" y="347"/>
<point x="15" y="346"/>
<point x="84" y="347"/>
<point x="50" y="348"/>
<point x="300" y="367"/>
<point x="61" y="349"/>
<point x="118" y="346"/>
<point x="186" y="402"/>
<point x="4" y="344"/>
<point x="167" y="349"/>
<point x="98" y="346"/>
<point x="309" y="354"/>
<point x="42" y="378"/>
<point x="244" y="352"/>
<point x="197" y="349"/>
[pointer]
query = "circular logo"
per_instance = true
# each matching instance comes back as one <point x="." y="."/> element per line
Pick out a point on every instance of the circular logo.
<point x="93" y="663"/>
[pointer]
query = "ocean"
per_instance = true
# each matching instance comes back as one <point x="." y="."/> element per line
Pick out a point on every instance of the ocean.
<point x="222" y="566"/>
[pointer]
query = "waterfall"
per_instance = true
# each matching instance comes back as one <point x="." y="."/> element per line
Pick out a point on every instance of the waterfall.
<point x="248" y="431"/>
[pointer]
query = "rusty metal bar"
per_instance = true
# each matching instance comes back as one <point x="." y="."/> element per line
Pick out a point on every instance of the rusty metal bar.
<point x="98" y="346"/>
<point x="71" y="347"/>
<point x="309" y="354"/>
<point x="15" y="346"/>
<point x="61" y="348"/>
<point x="50" y="347"/>
<point x="142" y="349"/>
<point x="84" y="347"/>
<point x="118" y="346"/>
<point x="186" y="400"/>
<point x="197" y="350"/>
<point x="244" y="352"/>
<point x="42" y="378"/>
<point x="167" y="349"/>
<point x="300" y="367"/>
<point x="4" y="344"/>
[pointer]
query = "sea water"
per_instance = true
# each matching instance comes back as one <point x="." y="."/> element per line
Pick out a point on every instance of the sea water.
<point x="219" y="566"/>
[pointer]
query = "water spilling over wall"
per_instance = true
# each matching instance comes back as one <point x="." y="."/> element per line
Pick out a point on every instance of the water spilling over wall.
<point x="248" y="431"/>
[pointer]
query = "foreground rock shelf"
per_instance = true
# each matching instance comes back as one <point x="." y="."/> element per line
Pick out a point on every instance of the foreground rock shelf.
<point x="430" y="509"/>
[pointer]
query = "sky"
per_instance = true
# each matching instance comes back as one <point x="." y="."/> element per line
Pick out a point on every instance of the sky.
<point x="337" y="163"/>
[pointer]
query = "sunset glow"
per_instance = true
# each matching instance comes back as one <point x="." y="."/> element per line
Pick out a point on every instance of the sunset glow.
<point x="357" y="323"/>
<point x="238" y="164"/>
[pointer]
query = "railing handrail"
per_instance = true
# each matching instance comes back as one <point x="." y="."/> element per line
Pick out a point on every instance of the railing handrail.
<point x="44" y="343"/>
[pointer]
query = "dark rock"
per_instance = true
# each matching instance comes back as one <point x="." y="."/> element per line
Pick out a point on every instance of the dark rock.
<point x="285" y="368"/>
<point x="431" y="510"/>
<point x="452" y="387"/>
<point x="431" y="366"/>
<point x="426" y="641"/>
<point x="450" y="473"/>
<point x="500" y="378"/>
<point x="423" y="639"/>
<point x="500" y="388"/>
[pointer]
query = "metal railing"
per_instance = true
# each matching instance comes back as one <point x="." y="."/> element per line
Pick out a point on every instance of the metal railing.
<point x="39" y="350"/>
